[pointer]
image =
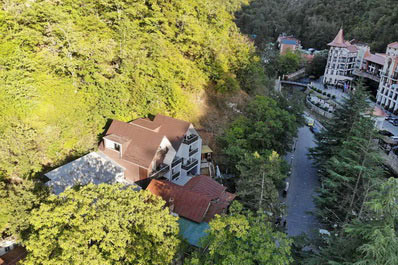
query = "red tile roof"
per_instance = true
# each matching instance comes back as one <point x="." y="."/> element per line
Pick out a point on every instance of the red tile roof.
<point x="200" y="199"/>
<point x="14" y="256"/>
<point x="186" y="203"/>
<point x="206" y="186"/>
<point x="352" y="48"/>
<point x="393" y="45"/>
<point x="375" y="58"/>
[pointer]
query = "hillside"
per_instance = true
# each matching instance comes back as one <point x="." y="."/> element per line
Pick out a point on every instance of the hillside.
<point x="67" y="67"/>
<point x="316" y="22"/>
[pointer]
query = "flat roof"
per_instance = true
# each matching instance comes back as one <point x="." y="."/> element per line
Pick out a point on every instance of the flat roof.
<point x="193" y="232"/>
<point x="93" y="168"/>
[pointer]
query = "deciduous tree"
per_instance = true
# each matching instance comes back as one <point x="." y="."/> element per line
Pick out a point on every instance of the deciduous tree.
<point x="243" y="238"/>
<point x="104" y="224"/>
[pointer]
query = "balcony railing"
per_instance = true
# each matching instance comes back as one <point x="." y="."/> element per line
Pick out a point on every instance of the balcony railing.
<point x="175" y="175"/>
<point x="176" y="161"/>
<point x="193" y="151"/>
<point x="190" y="139"/>
<point x="188" y="166"/>
<point x="160" y="170"/>
<point x="374" y="77"/>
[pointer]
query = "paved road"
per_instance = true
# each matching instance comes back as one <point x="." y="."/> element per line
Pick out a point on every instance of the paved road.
<point x="303" y="182"/>
<point x="389" y="127"/>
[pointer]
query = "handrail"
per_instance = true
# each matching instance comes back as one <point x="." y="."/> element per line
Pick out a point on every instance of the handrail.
<point x="190" y="164"/>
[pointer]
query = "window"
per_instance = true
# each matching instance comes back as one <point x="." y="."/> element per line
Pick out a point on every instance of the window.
<point x="116" y="146"/>
<point x="7" y="249"/>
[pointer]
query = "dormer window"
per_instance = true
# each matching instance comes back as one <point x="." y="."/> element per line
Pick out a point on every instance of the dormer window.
<point x="116" y="146"/>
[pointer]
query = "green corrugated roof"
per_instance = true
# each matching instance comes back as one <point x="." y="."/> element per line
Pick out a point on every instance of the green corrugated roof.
<point x="192" y="231"/>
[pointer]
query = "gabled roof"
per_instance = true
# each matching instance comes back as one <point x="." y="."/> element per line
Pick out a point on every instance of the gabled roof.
<point x="185" y="202"/>
<point x="206" y="186"/>
<point x="199" y="200"/>
<point x="393" y="45"/>
<point x="173" y="129"/>
<point x="375" y="58"/>
<point x="352" y="48"/>
<point x="142" y="145"/>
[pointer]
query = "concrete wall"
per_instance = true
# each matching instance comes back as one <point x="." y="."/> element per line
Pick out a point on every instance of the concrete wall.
<point x="318" y="110"/>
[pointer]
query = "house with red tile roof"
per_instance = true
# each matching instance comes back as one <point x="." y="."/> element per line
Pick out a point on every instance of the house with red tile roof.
<point x="134" y="153"/>
<point x="199" y="200"/>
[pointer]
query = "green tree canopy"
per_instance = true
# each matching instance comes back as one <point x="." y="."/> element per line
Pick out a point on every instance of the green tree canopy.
<point x="243" y="238"/>
<point x="104" y="224"/>
<point x="17" y="200"/>
<point x="370" y="239"/>
<point x="316" y="67"/>
<point x="287" y="63"/>
<point x="266" y="125"/>
<point x="338" y="129"/>
<point x="316" y="22"/>
<point x="68" y="67"/>
<point x="259" y="177"/>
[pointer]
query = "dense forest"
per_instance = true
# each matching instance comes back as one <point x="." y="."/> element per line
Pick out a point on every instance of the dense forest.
<point x="69" y="66"/>
<point x="316" y="22"/>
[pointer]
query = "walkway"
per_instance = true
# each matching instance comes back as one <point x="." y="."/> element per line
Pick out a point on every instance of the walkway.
<point x="340" y="95"/>
<point x="303" y="182"/>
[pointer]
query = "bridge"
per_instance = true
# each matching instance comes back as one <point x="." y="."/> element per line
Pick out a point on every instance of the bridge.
<point x="293" y="83"/>
<point x="279" y="83"/>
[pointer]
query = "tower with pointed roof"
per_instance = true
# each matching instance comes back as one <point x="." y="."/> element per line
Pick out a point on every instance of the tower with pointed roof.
<point x="341" y="61"/>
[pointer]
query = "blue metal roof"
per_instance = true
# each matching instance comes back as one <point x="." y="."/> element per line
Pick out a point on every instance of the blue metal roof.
<point x="293" y="42"/>
<point x="192" y="231"/>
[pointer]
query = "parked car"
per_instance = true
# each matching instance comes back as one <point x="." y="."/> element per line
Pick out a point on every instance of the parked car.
<point x="309" y="121"/>
<point x="386" y="133"/>
<point x="393" y="121"/>
<point x="315" y="129"/>
<point x="394" y="137"/>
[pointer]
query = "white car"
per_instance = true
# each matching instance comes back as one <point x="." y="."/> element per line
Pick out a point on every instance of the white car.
<point x="395" y="138"/>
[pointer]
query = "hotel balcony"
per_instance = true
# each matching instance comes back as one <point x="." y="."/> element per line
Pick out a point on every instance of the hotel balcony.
<point x="175" y="175"/>
<point x="190" y="139"/>
<point x="160" y="170"/>
<point x="193" y="151"/>
<point x="176" y="161"/>
<point x="190" y="164"/>
<point x="373" y="77"/>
